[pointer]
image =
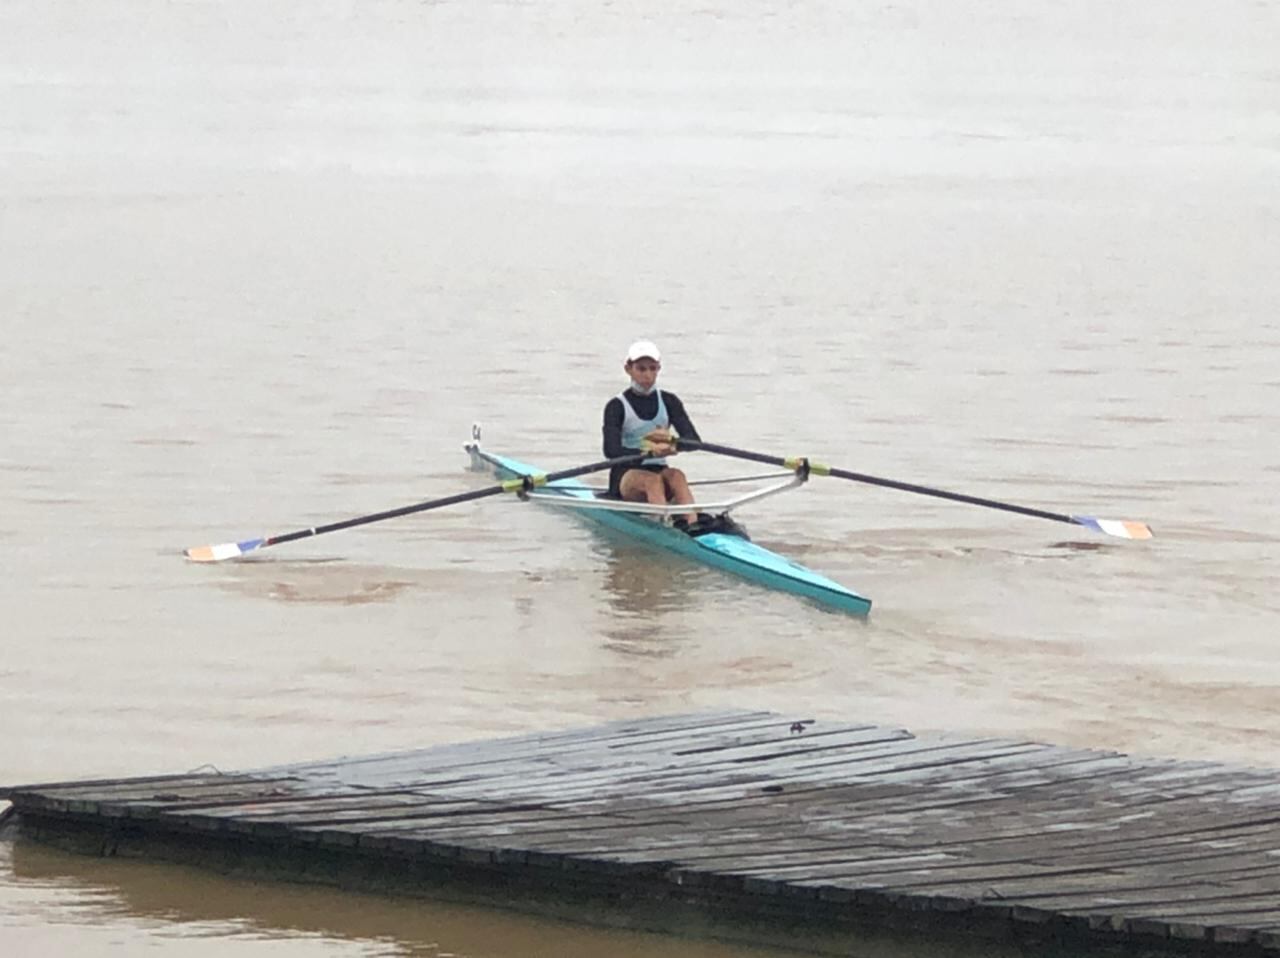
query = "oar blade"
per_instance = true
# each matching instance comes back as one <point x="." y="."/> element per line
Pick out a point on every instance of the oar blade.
<point x="1121" y="528"/>
<point x="227" y="550"/>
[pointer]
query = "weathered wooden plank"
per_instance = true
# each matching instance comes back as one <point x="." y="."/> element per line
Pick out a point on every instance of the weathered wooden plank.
<point x="314" y="803"/>
<point x="718" y="780"/>
<point x="145" y="781"/>
<point x="1264" y="918"/>
<point x="1181" y="901"/>
<point x="129" y="788"/>
<point x="596" y="768"/>
<point x="356" y="816"/>
<point x="120" y="801"/>
<point x="380" y="769"/>
<point x="794" y="784"/>
<point x="979" y="854"/>
<point x="1059" y="812"/>
<point x="618" y="730"/>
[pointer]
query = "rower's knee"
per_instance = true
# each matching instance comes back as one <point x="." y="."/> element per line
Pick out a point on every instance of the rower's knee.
<point x="647" y="486"/>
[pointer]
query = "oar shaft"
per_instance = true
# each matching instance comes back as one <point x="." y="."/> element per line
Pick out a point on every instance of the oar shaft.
<point x="232" y="550"/>
<point x="453" y="500"/>
<point x="953" y="496"/>
<point x="695" y="445"/>
<point x="877" y="481"/>
<point x="388" y="514"/>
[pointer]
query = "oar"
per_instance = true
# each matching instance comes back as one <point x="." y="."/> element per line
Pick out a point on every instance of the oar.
<point x="230" y="550"/>
<point x="1123" y="528"/>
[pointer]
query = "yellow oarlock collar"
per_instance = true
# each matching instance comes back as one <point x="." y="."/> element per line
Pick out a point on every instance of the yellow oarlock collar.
<point x="799" y="462"/>
<point x="524" y="483"/>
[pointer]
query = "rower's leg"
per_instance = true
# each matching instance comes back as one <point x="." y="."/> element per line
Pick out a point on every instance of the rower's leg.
<point x="677" y="490"/>
<point x="640" y="485"/>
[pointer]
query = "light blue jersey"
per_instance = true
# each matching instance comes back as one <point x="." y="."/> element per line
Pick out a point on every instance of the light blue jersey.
<point x="634" y="429"/>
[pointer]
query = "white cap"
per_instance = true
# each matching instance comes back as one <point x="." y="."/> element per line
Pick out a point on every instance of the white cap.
<point x="643" y="349"/>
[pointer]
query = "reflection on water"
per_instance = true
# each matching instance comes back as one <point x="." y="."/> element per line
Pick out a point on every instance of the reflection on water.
<point x="90" y="906"/>
<point x="330" y="581"/>
<point x="314" y="582"/>
<point x="639" y="638"/>
<point x="643" y="587"/>
<point x="1071" y="546"/>
<point x="183" y="907"/>
<point x="642" y="581"/>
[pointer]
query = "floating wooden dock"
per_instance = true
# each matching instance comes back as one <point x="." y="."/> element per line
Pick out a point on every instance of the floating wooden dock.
<point x="753" y="821"/>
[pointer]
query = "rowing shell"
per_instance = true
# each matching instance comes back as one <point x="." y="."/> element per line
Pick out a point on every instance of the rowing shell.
<point x="721" y="550"/>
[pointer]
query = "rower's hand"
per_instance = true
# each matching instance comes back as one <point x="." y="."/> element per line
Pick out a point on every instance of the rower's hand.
<point x="661" y="442"/>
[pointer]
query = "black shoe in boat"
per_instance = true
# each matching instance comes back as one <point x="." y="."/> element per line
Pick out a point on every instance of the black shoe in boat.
<point x="697" y="527"/>
<point x="722" y="524"/>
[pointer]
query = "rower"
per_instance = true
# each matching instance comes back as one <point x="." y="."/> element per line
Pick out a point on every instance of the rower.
<point x="641" y="419"/>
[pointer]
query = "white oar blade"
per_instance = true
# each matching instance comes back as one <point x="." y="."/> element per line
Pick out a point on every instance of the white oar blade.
<point x="227" y="550"/>
<point x="1122" y="528"/>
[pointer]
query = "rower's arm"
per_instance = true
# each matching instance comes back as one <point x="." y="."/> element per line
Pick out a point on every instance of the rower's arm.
<point x="613" y="415"/>
<point x="680" y="420"/>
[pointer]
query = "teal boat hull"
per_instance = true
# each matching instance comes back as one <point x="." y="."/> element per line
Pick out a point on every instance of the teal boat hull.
<point x="729" y="553"/>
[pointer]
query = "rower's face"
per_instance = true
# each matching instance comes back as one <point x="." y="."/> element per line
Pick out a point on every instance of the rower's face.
<point x="644" y="372"/>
